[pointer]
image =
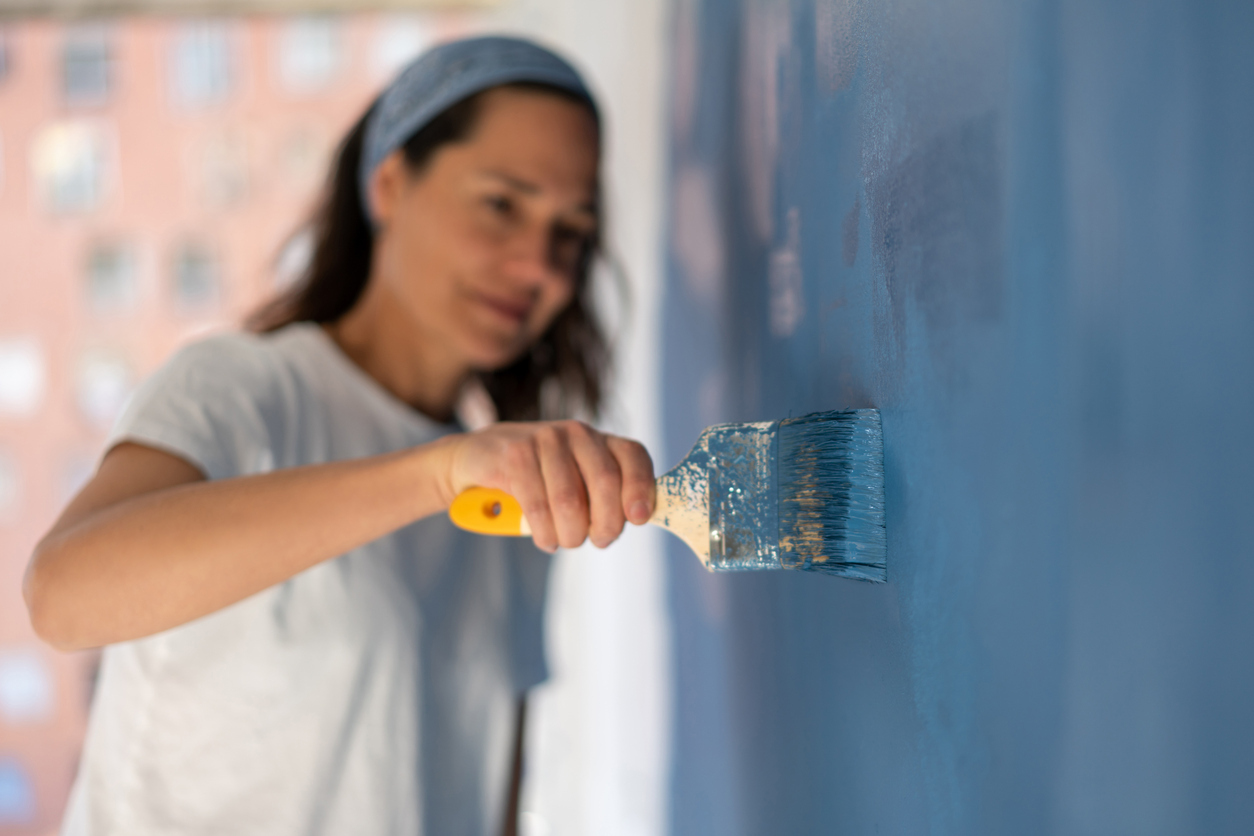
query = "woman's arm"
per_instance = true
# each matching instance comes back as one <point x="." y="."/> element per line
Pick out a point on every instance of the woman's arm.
<point x="148" y="544"/>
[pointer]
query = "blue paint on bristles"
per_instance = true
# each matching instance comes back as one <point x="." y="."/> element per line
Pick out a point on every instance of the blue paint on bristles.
<point x="830" y="478"/>
<point x="803" y="493"/>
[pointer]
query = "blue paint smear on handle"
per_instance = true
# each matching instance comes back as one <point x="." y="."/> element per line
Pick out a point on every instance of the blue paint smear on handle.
<point x="1024" y="231"/>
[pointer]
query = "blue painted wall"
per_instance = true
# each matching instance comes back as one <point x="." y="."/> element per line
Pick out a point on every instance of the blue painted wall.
<point x="1024" y="230"/>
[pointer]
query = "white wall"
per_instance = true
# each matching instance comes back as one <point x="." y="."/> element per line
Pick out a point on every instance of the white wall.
<point x="598" y="751"/>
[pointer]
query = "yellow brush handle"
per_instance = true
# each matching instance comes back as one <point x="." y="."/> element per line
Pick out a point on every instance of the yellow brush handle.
<point x="489" y="511"/>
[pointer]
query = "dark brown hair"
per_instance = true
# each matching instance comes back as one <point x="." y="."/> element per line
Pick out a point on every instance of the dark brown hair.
<point x="562" y="373"/>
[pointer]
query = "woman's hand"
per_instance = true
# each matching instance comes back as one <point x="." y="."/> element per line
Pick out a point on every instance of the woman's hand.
<point x="573" y="482"/>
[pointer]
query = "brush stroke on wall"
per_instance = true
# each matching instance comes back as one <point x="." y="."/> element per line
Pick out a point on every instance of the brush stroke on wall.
<point x="1024" y="230"/>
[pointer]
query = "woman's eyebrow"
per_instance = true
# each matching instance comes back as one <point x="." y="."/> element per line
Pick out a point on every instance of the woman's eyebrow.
<point x="513" y="182"/>
<point x="529" y="188"/>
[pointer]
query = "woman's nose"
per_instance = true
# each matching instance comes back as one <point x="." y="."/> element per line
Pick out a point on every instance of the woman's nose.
<point x="530" y="258"/>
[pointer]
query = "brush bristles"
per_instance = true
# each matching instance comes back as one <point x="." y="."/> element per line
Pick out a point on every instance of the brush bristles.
<point x="831" y="494"/>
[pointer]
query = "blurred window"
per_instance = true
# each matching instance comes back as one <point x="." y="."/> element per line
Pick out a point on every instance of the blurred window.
<point x="76" y="470"/>
<point x="23" y="376"/>
<point x="304" y="157"/>
<point x="6" y="55"/>
<point x="17" y="797"/>
<point x="105" y="381"/>
<point x="71" y="163"/>
<point x="221" y="169"/>
<point x="86" y="65"/>
<point x="197" y="279"/>
<point x="26" y="686"/>
<point x="294" y="259"/>
<point x="10" y="484"/>
<point x="201" y="60"/>
<point x="310" y="53"/>
<point x="397" y="40"/>
<point x="112" y="283"/>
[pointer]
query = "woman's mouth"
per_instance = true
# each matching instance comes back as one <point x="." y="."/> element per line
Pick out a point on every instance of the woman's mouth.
<point x="514" y="311"/>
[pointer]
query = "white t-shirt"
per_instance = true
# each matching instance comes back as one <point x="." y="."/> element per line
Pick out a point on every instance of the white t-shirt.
<point x="371" y="694"/>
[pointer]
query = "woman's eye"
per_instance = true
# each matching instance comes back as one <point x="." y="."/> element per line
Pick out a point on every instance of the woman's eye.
<point x="500" y="204"/>
<point x="569" y="247"/>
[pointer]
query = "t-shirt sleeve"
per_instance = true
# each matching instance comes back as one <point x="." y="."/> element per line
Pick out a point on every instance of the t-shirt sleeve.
<point x="216" y="403"/>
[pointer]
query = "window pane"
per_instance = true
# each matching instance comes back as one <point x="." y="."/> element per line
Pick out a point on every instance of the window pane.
<point x="26" y="686"/>
<point x="105" y="380"/>
<point x="23" y="376"/>
<point x="6" y="55"/>
<point x="70" y="161"/>
<point x="310" y="53"/>
<point x="220" y="169"/>
<point x="196" y="279"/>
<point x="294" y="259"/>
<point x="397" y="39"/>
<point x="76" y="470"/>
<point x="304" y="156"/>
<point x="85" y="65"/>
<point x="112" y="284"/>
<point x="17" y="795"/>
<point x="200" y="63"/>
<point x="10" y="484"/>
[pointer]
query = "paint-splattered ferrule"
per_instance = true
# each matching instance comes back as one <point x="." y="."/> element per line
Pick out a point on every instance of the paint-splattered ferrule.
<point x="743" y="497"/>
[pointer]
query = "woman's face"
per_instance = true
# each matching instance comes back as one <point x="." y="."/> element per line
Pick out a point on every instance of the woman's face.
<point x="480" y="249"/>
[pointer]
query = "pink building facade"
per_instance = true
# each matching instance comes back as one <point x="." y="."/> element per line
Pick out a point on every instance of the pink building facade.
<point x="154" y="174"/>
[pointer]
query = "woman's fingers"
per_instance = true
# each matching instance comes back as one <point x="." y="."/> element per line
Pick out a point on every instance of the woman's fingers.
<point x="603" y="481"/>
<point x="564" y="483"/>
<point x="639" y="488"/>
<point x="573" y="482"/>
<point x="526" y="484"/>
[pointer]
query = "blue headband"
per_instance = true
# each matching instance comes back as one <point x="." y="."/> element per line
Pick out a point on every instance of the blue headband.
<point x="442" y="77"/>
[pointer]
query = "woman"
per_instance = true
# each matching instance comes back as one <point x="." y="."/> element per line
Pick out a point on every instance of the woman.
<point x="297" y="640"/>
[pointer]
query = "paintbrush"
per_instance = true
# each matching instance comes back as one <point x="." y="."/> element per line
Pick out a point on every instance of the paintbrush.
<point x="803" y="493"/>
